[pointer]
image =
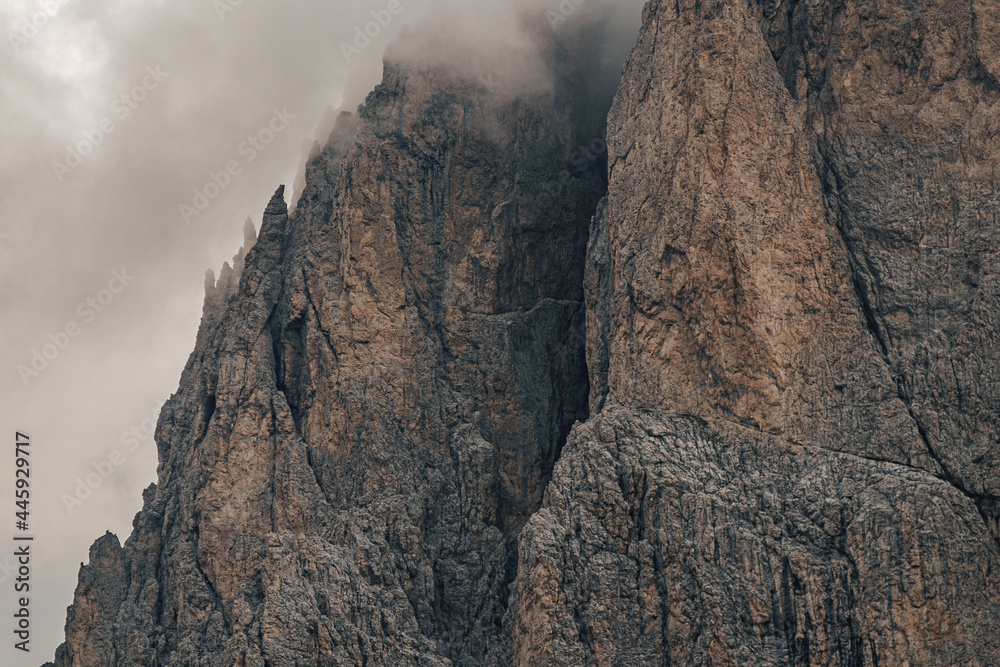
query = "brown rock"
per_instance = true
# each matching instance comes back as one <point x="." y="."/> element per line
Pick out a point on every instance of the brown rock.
<point x="666" y="540"/>
<point x="787" y="439"/>
<point x="376" y="399"/>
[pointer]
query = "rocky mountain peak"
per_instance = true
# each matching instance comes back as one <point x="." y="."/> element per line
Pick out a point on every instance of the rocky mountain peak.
<point x="703" y="374"/>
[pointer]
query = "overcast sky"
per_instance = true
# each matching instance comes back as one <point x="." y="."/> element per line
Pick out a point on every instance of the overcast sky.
<point x="114" y="113"/>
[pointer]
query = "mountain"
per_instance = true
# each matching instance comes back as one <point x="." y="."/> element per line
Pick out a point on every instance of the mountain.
<point x="716" y="387"/>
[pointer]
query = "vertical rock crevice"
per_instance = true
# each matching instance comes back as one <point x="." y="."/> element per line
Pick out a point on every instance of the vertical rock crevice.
<point x="909" y="199"/>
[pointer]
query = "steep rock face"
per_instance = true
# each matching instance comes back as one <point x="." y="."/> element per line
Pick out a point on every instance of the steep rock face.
<point x="775" y="262"/>
<point x="731" y="294"/>
<point x="373" y="412"/>
<point x="904" y="104"/>
<point x="667" y="540"/>
<point x="788" y="446"/>
<point x="803" y="227"/>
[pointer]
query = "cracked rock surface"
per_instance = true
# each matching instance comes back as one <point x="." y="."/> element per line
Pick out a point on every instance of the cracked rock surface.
<point x="793" y="326"/>
<point x="374" y="405"/>
<point x="752" y="419"/>
<point x="666" y="540"/>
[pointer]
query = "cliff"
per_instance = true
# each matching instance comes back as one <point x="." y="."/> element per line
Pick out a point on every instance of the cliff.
<point x="730" y="398"/>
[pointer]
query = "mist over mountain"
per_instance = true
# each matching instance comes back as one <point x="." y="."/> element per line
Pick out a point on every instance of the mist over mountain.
<point x="597" y="342"/>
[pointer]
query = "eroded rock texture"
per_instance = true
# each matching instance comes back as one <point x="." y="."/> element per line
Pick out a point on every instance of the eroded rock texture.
<point x="779" y="346"/>
<point x="792" y="318"/>
<point x="376" y="399"/>
<point x="666" y="540"/>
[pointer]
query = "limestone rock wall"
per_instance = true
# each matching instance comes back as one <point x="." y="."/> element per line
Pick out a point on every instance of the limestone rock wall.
<point x="730" y="399"/>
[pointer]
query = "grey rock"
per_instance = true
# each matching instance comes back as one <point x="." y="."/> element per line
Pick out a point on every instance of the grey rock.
<point x="668" y="540"/>
<point x="795" y="459"/>
<point x="378" y="394"/>
<point x="775" y="356"/>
